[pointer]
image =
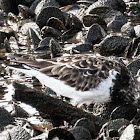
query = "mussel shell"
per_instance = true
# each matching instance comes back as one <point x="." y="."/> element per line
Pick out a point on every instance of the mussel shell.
<point x="47" y="31"/>
<point x="56" y="23"/>
<point x="90" y="19"/>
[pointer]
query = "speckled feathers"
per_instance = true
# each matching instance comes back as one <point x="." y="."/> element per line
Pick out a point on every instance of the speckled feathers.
<point x="86" y="72"/>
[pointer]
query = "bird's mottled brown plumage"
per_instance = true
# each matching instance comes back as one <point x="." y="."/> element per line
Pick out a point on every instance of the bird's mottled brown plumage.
<point x="85" y="72"/>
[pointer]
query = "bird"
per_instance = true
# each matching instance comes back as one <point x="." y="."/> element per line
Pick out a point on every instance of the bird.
<point x="84" y="78"/>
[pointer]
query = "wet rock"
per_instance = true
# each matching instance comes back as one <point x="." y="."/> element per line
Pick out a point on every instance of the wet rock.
<point x="73" y="9"/>
<point x="91" y="1"/>
<point x="128" y="29"/>
<point x="115" y="25"/>
<point x="25" y="12"/>
<point x="72" y="22"/>
<point x="76" y="10"/>
<point x="47" y="13"/>
<point x="56" y="23"/>
<point x="56" y="49"/>
<point x="43" y="45"/>
<point x="3" y="17"/>
<point x="2" y="37"/>
<point x="69" y="34"/>
<point x="85" y="123"/>
<point x="43" y="136"/>
<point x="127" y="111"/>
<point x="49" y="91"/>
<point x="118" y="5"/>
<point x="19" y="112"/>
<point x="6" y="45"/>
<point x="64" y="2"/>
<point x="38" y="5"/>
<point x="81" y="133"/>
<point x="6" y="32"/>
<point x="26" y="2"/>
<point x="112" y="128"/>
<point x="34" y="6"/>
<point x="47" y="31"/>
<point x="86" y="1"/>
<point x="102" y="110"/>
<point x="82" y="48"/>
<point x="133" y="11"/>
<point x="105" y="12"/>
<point x="13" y="43"/>
<point x="52" y="105"/>
<point x="59" y="133"/>
<point x="134" y="66"/>
<point x="138" y="50"/>
<point x="95" y="34"/>
<point x="91" y="19"/>
<point x="130" y="1"/>
<point x="9" y="6"/>
<point x="131" y="132"/>
<point x="133" y="49"/>
<point x="5" y="118"/>
<point x="19" y="133"/>
<point x="113" y="45"/>
<point x="137" y="30"/>
<point x="34" y="38"/>
<point x="25" y="28"/>
<point x="12" y="18"/>
<point x="136" y="119"/>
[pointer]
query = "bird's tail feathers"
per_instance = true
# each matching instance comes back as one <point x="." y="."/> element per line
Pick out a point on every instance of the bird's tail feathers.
<point x="23" y="69"/>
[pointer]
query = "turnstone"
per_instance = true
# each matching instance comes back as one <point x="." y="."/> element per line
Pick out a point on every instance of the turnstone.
<point x="85" y="78"/>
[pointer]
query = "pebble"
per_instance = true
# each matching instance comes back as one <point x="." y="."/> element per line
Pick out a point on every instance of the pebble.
<point x="48" y="12"/>
<point x="128" y="29"/>
<point x="111" y="128"/>
<point x="34" y="38"/>
<point x="19" y="133"/>
<point x="82" y="48"/>
<point x="25" y="12"/>
<point x="47" y="31"/>
<point x="60" y="133"/>
<point x="56" y="49"/>
<point x="115" y="25"/>
<point x="113" y="45"/>
<point x="19" y="112"/>
<point x="90" y="19"/>
<point x="126" y="111"/>
<point x="64" y="2"/>
<point x="3" y="17"/>
<point x="134" y="66"/>
<point x="137" y="30"/>
<point x="81" y="133"/>
<point x="25" y="28"/>
<point x="85" y="123"/>
<point x="9" y="6"/>
<point x="131" y="132"/>
<point x="95" y="34"/>
<point x="43" y="45"/>
<point x="56" y="23"/>
<point x="38" y="5"/>
<point x="5" y="118"/>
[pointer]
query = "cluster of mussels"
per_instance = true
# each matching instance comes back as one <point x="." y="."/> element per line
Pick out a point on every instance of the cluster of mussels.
<point x="52" y="28"/>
